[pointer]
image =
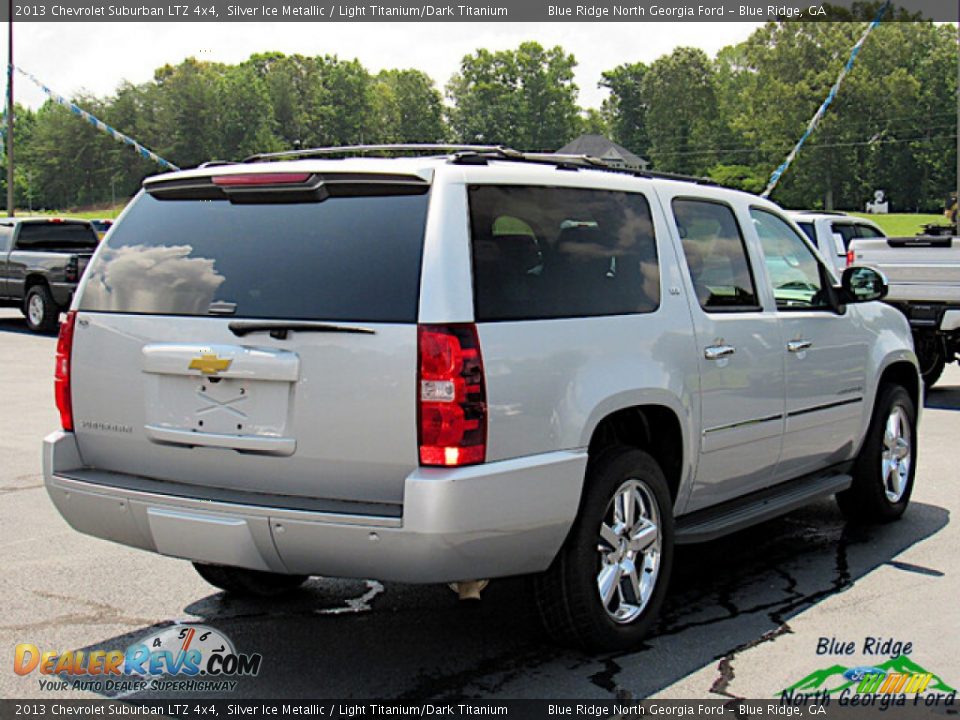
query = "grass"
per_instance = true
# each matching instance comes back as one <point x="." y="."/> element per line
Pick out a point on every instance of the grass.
<point x="902" y="224"/>
<point x="99" y="212"/>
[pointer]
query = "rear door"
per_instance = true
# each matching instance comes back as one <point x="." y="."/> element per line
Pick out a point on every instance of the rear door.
<point x="265" y="345"/>
<point x="739" y="352"/>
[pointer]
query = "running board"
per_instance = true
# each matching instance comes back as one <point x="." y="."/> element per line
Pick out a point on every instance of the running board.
<point x="711" y="523"/>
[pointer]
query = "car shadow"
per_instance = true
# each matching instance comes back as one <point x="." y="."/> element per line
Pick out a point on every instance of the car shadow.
<point x="360" y="639"/>
<point x="946" y="397"/>
<point x="18" y="324"/>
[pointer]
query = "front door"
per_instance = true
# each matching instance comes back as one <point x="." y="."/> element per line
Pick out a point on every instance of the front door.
<point x="825" y="353"/>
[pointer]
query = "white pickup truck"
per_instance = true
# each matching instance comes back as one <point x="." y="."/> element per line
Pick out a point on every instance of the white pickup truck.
<point x="924" y="284"/>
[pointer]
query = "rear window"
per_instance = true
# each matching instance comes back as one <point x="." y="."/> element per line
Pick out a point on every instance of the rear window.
<point x="56" y="236"/>
<point x="346" y="258"/>
<point x="542" y="252"/>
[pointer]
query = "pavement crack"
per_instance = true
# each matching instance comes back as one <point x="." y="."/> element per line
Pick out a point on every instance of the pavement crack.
<point x="607" y="679"/>
<point x="727" y="673"/>
<point x="97" y="614"/>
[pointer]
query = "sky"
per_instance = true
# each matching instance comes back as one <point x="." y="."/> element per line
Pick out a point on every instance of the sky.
<point x="97" y="57"/>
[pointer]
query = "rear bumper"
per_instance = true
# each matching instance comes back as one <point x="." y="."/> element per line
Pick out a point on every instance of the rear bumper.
<point x="498" y="519"/>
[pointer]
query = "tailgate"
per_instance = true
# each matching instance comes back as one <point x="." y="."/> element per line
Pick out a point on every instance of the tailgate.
<point x="329" y="415"/>
<point x="266" y="346"/>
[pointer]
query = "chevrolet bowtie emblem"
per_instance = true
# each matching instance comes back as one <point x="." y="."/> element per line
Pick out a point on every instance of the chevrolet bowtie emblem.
<point x="210" y="364"/>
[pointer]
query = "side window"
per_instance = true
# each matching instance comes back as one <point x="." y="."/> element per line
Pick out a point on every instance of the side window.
<point x="808" y="230"/>
<point x="865" y="231"/>
<point x="846" y="231"/>
<point x="716" y="255"/>
<point x="541" y="252"/>
<point x="6" y="233"/>
<point x="793" y="268"/>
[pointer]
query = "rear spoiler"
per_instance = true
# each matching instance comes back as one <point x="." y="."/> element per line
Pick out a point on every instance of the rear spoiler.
<point x="934" y="241"/>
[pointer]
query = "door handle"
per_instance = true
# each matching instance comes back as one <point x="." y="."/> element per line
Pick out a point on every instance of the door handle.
<point x="796" y="346"/>
<point x="715" y="352"/>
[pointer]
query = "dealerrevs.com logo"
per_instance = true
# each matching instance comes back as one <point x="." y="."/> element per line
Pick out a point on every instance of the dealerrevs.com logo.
<point x="178" y="658"/>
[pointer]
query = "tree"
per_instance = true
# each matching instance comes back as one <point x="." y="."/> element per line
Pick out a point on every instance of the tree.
<point x="525" y="98"/>
<point x="625" y="109"/>
<point x="406" y="108"/>
<point x="682" y="116"/>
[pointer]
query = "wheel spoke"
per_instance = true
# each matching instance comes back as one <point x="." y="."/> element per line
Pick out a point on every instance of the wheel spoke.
<point x="644" y="538"/>
<point x="630" y="570"/>
<point x="629" y="507"/>
<point x="607" y="581"/>
<point x="609" y="536"/>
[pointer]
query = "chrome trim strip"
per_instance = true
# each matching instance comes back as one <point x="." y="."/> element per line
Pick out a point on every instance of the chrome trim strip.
<point x="828" y="406"/>
<point x="743" y="423"/>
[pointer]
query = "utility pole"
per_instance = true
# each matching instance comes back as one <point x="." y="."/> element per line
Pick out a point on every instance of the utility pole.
<point x="10" y="108"/>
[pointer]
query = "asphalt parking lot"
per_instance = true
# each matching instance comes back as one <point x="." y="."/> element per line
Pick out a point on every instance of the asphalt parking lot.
<point x="743" y="619"/>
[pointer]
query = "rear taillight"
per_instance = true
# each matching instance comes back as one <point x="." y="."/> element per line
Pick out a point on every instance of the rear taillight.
<point x="850" y="258"/>
<point x="61" y="382"/>
<point x="72" y="271"/>
<point x="452" y="400"/>
<point x="261" y="179"/>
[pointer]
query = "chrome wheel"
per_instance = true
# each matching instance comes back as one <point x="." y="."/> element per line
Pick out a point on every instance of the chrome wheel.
<point x="896" y="454"/>
<point x="629" y="548"/>
<point x="35" y="309"/>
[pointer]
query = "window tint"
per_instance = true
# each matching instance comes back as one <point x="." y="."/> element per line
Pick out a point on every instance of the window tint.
<point x="716" y="256"/>
<point x="847" y="231"/>
<point x="56" y="236"/>
<point x="866" y="231"/>
<point x="808" y="230"/>
<point x="543" y="252"/>
<point x="346" y="258"/>
<point x="792" y="266"/>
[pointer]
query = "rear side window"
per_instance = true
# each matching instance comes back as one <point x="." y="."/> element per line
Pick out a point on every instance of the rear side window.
<point x="541" y="252"/>
<point x="866" y="231"/>
<point x="346" y="258"/>
<point x="846" y="231"/>
<point x="716" y="255"/>
<point x="56" y="236"/>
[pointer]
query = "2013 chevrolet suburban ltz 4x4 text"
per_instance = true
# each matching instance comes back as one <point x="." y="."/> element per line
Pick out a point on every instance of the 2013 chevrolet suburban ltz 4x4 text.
<point x="466" y="366"/>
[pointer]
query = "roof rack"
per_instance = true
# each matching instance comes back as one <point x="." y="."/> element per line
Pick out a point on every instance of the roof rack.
<point x="481" y="154"/>
<point x="435" y="148"/>
<point x="822" y="212"/>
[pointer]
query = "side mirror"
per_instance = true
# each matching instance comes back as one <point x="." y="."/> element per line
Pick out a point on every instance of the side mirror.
<point x="863" y="284"/>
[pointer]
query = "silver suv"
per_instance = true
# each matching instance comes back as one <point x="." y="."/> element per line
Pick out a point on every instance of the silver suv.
<point x="466" y="366"/>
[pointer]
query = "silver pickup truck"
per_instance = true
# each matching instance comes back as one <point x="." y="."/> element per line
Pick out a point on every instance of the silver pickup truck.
<point x="41" y="262"/>
<point x="923" y="273"/>
<point x="467" y="366"/>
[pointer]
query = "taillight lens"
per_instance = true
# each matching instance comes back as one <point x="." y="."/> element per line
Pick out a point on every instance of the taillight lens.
<point x="61" y="381"/>
<point x="850" y="258"/>
<point x="452" y="401"/>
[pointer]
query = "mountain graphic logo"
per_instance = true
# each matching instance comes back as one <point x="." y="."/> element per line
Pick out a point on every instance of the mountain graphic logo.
<point x="837" y="678"/>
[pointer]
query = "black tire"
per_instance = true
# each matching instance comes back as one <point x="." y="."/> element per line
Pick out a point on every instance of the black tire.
<point x="867" y="500"/>
<point x="44" y="317"/>
<point x="567" y="594"/>
<point x="932" y="356"/>
<point x="255" y="583"/>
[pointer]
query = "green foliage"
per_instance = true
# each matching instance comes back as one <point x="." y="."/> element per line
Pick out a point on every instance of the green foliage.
<point x="524" y="98"/>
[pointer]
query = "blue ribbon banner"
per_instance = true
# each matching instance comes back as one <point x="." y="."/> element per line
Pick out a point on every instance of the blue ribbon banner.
<point x="818" y="116"/>
<point x="99" y="124"/>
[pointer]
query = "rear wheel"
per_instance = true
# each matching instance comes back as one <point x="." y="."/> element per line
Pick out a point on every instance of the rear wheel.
<point x="884" y="471"/>
<point x="41" y="309"/>
<point x="605" y="587"/>
<point x="240" y="581"/>
<point x="932" y="357"/>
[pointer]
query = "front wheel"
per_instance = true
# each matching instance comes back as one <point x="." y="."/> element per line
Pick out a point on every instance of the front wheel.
<point x="605" y="588"/>
<point x="884" y="471"/>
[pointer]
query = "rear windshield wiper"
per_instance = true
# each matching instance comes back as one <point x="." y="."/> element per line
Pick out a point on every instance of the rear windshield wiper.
<point x="280" y="329"/>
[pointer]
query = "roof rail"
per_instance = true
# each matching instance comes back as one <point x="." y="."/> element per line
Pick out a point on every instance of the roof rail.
<point x="466" y="154"/>
<point x="382" y="148"/>
<point x="838" y="213"/>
